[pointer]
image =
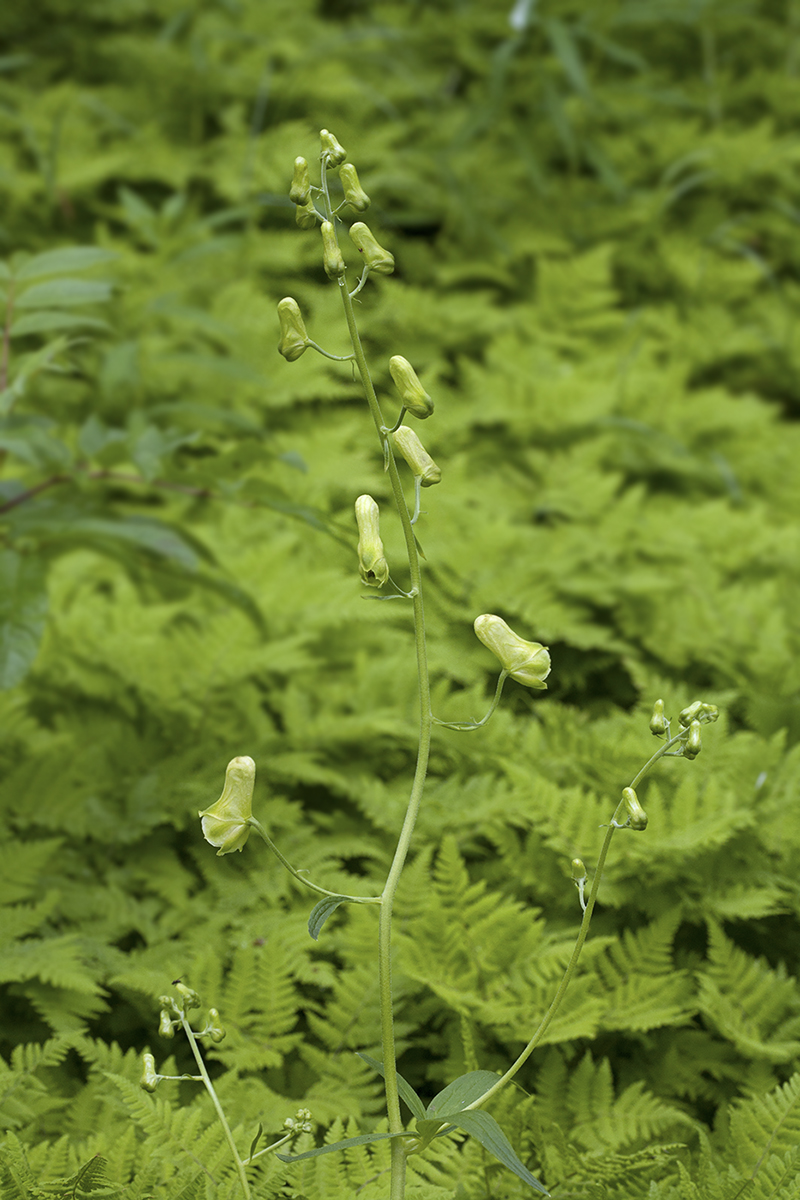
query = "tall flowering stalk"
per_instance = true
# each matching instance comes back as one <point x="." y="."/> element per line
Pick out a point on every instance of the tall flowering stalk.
<point x="226" y="824"/>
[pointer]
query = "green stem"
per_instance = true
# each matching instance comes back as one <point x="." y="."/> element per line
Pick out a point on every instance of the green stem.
<point x="477" y="724"/>
<point x="582" y="932"/>
<point x="187" y="1029"/>
<point x="261" y="831"/>
<point x="426" y="720"/>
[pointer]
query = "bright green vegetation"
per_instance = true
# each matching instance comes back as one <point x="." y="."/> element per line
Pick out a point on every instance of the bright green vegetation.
<point x="595" y="221"/>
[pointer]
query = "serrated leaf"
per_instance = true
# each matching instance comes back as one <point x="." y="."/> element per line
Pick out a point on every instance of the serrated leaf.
<point x="23" y="610"/>
<point x="64" y="293"/>
<point x="403" y="1086"/>
<point x="483" y="1127"/>
<point x="68" y="258"/>
<point x="461" y="1092"/>
<point x="320" y="913"/>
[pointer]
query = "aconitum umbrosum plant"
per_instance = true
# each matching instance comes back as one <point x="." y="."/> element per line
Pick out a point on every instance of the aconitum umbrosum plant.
<point x="461" y="1106"/>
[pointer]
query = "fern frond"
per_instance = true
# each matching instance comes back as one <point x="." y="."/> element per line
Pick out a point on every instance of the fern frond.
<point x="756" y="1007"/>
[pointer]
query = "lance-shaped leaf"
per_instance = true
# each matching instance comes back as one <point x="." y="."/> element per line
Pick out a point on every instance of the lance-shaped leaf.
<point x="320" y="913"/>
<point x="485" y="1130"/>
<point x="403" y="1086"/>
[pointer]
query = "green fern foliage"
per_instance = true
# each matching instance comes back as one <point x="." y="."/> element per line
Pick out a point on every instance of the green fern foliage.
<point x="597" y="276"/>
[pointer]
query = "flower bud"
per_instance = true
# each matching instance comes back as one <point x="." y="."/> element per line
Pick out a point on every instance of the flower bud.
<point x="658" y="722"/>
<point x="165" y="1026"/>
<point x="527" y="662"/>
<point x="638" y="817"/>
<point x="300" y="191"/>
<point x="214" y="1026"/>
<point x="704" y="713"/>
<point x="415" y="454"/>
<point x="294" y="338"/>
<point x="376" y="258"/>
<point x="331" y="254"/>
<point x="188" y="995"/>
<point x="225" y="823"/>
<point x="578" y="869"/>
<point x="306" y="215"/>
<point x="372" y="563"/>
<point x="331" y="149"/>
<point x="412" y="393"/>
<point x="692" y="746"/>
<point x="354" y="194"/>
<point x="150" y="1077"/>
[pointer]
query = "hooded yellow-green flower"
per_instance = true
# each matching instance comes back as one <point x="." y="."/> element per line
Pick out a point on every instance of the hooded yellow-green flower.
<point x="300" y="191"/>
<point x="372" y="563"/>
<point x="417" y="457"/>
<point x="354" y="194"/>
<point x="527" y="662"/>
<point x="333" y="150"/>
<point x="377" y="259"/>
<point x="332" y="259"/>
<point x="225" y="823"/>
<point x="636" y="814"/>
<point x="294" y="338"/>
<point x="412" y="393"/>
<point x="150" y="1077"/>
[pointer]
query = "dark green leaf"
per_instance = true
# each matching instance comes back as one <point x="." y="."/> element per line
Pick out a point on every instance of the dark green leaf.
<point x="23" y="609"/>
<point x="485" y="1130"/>
<point x="461" y="1092"/>
<point x="320" y="913"/>
<point x="404" y="1088"/>
<point x="256" y="1140"/>
<point x="566" y="51"/>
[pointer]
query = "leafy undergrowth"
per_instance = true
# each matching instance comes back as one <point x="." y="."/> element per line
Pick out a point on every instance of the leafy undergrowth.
<point x="595" y="221"/>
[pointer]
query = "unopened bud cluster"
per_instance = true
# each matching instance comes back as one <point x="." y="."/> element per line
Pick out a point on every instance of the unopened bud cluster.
<point x="690" y="719"/>
<point x="172" y="1015"/>
<point x="300" y="1122"/>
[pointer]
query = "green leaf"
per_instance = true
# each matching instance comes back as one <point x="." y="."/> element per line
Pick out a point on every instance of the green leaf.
<point x="256" y="1140"/>
<point x="320" y="913"/>
<point x="64" y="293"/>
<point x="461" y="1092"/>
<point x="404" y="1088"/>
<point x="33" y="363"/>
<point x="68" y="258"/>
<point x="363" y="1139"/>
<point x="485" y="1130"/>
<point x="23" y="609"/>
<point x="47" y="320"/>
<point x="566" y="51"/>
<point x="37" y="448"/>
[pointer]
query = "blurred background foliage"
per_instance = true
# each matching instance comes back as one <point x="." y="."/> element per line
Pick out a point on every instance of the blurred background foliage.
<point x="594" y="211"/>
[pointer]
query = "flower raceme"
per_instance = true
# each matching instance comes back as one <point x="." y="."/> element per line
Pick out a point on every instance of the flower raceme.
<point x="225" y="824"/>
<point x="527" y="662"/>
